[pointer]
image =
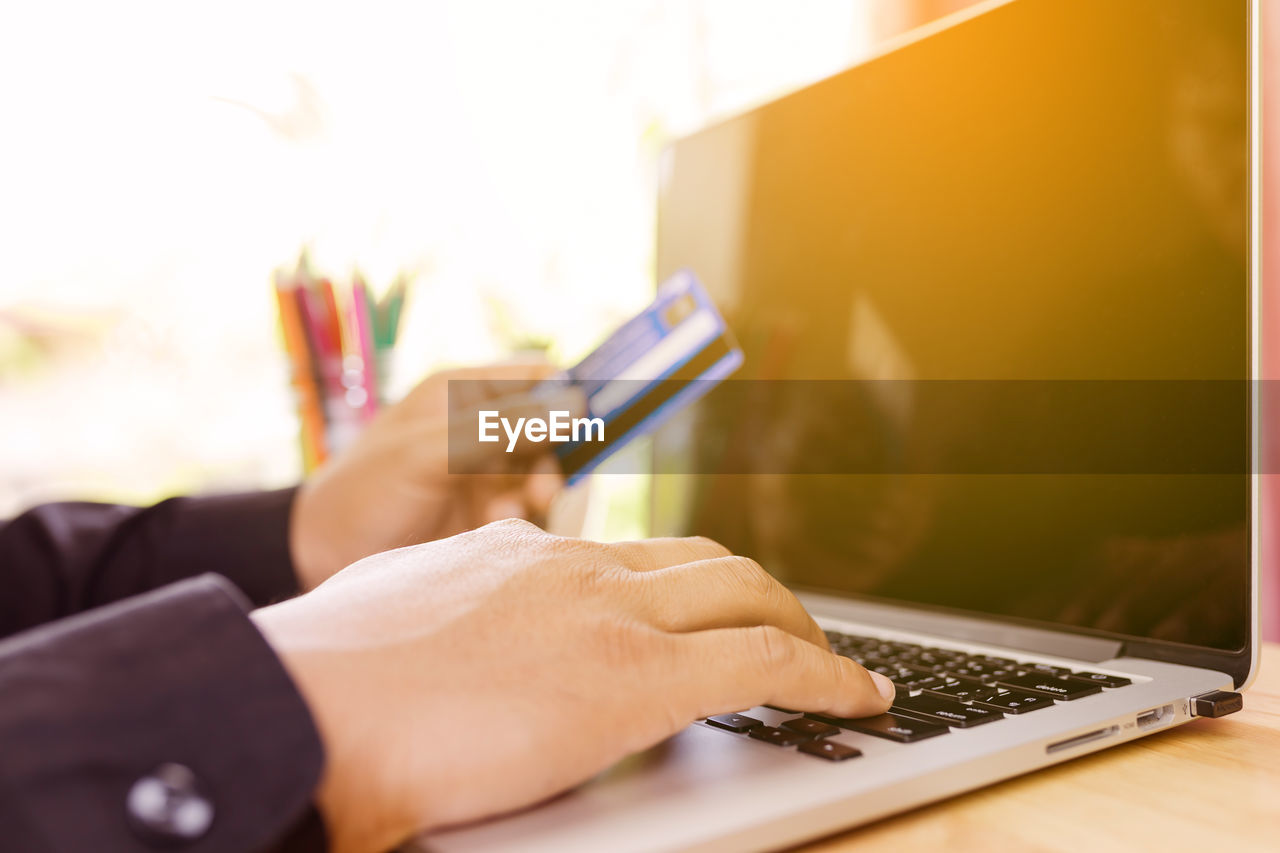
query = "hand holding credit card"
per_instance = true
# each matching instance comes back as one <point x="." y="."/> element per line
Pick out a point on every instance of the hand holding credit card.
<point x="658" y="362"/>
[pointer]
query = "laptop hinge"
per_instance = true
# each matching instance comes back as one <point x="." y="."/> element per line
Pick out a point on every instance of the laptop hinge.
<point x="964" y="628"/>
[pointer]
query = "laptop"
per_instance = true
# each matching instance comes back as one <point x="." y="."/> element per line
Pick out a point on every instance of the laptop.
<point x="995" y="290"/>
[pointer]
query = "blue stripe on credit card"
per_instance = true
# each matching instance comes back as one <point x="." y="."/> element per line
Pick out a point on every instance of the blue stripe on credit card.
<point x="670" y="354"/>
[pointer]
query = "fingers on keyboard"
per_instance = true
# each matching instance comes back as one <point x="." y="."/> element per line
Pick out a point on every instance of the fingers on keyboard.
<point x="938" y="690"/>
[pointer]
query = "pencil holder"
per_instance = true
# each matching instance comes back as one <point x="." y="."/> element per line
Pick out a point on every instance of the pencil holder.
<point x="339" y="340"/>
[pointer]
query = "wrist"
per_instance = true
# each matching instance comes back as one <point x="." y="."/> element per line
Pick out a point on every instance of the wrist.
<point x="349" y="800"/>
<point x="312" y="555"/>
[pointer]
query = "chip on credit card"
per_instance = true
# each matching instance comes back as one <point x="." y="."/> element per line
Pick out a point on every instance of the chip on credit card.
<point x="661" y="360"/>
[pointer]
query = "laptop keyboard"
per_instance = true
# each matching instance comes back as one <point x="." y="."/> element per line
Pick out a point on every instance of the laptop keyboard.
<point x="938" y="690"/>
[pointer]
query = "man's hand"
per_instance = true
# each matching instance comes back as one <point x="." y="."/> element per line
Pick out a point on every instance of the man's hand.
<point x="393" y="488"/>
<point x="482" y="673"/>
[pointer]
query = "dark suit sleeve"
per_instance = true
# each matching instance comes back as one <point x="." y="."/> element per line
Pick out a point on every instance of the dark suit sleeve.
<point x="164" y="721"/>
<point x="64" y="558"/>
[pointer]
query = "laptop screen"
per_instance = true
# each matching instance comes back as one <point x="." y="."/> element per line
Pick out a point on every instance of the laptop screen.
<point x="992" y="290"/>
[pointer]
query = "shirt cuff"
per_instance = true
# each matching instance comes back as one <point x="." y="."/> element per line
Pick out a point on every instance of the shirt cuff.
<point x="174" y="691"/>
<point x="243" y="537"/>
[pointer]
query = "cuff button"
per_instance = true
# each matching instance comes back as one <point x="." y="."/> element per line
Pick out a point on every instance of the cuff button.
<point x="169" y="805"/>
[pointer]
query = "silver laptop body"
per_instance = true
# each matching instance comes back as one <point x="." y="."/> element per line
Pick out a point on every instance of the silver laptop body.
<point x="713" y="789"/>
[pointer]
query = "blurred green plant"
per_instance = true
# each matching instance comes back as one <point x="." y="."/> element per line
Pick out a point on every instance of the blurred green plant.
<point x="33" y="339"/>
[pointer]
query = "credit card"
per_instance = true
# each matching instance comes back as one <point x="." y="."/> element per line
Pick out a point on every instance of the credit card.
<point x="661" y="360"/>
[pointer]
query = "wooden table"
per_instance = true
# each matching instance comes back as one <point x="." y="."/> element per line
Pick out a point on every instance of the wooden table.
<point x="1207" y="785"/>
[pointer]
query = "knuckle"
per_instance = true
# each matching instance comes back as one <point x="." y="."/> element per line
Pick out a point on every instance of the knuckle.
<point x="751" y="574"/>
<point x="593" y="568"/>
<point x="513" y="532"/>
<point x="511" y="535"/>
<point x="649" y="595"/>
<point x="708" y="542"/>
<point x="597" y="579"/>
<point x="632" y="555"/>
<point x="773" y="647"/>
<point x="519" y="525"/>
<point x="625" y="643"/>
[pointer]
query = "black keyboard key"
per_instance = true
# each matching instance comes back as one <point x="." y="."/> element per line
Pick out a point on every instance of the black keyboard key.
<point x="936" y="659"/>
<point x="812" y="728"/>
<point x="995" y="661"/>
<point x="1102" y="678"/>
<point x="829" y="750"/>
<point x="958" y="671"/>
<point x="916" y="679"/>
<point x="882" y="667"/>
<point x="935" y="709"/>
<point x="987" y="673"/>
<point x="1015" y="702"/>
<point x="1046" y="668"/>
<point x="888" y="726"/>
<point x="1043" y="684"/>
<point x="964" y="690"/>
<point x="777" y="737"/>
<point x="981" y="667"/>
<point x="961" y="659"/>
<point x="844" y="642"/>
<point x="733" y="722"/>
<point x="931" y="662"/>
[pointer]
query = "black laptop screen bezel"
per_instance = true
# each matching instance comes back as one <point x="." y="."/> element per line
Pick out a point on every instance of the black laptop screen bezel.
<point x="1237" y="663"/>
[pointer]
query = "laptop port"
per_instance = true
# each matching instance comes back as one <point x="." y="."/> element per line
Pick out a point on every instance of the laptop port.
<point x="1080" y="740"/>
<point x="1155" y="717"/>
